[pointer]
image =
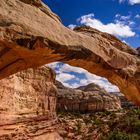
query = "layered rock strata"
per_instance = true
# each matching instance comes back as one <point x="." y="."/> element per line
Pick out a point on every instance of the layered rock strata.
<point x="90" y="98"/>
<point x="27" y="105"/>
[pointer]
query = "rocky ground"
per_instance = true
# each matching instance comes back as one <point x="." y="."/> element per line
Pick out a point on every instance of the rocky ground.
<point x="30" y="130"/>
<point x="119" y="125"/>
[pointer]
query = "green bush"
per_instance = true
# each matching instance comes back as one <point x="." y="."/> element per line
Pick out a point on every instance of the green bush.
<point x="76" y="114"/>
<point x="136" y="127"/>
<point x="116" y="134"/>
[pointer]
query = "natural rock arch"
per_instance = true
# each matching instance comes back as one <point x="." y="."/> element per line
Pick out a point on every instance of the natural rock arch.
<point x="31" y="36"/>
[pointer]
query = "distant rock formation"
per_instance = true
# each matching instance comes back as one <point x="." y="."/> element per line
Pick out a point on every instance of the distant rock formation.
<point x="28" y="105"/>
<point x="32" y="35"/>
<point x="125" y="103"/>
<point x="85" y="99"/>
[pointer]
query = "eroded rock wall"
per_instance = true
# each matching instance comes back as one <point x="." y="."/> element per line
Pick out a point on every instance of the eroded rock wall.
<point x="28" y="104"/>
<point x="90" y="98"/>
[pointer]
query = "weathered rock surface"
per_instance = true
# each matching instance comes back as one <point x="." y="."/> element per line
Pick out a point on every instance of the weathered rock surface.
<point x="85" y="99"/>
<point x="27" y="105"/>
<point x="125" y="103"/>
<point x="31" y="35"/>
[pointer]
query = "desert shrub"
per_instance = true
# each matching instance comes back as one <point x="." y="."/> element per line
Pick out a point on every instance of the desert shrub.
<point x="136" y="127"/>
<point x="98" y="122"/>
<point x="76" y="114"/>
<point x="73" y="114"/>
<point x="106" y="112"/>
<point x="132" y="123"/>
<point x="116" y="134"/>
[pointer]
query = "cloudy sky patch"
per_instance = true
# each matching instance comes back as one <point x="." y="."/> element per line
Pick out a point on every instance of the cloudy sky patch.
<point x="74" y="77"/>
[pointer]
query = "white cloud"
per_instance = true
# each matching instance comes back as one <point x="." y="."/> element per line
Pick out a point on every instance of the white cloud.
<point x="83" y="82"/>
<point x="132" y="2"/>
<point x="120" y="1"/>
<point x="125" y="20"/>
<point x="68" y="68"/>
<point x="64" y="77"/>
<point x="118" y="27"/>
<point x="71" y="26"/>
<point x="64" y="74"/>
<point x="102" y="82"/>
<point x="125" y="42"/>
<point x="137" y="16"/>
<point x="54" y="65"/>
<point x="73" y="85"/>
<point x="123" y="17"/>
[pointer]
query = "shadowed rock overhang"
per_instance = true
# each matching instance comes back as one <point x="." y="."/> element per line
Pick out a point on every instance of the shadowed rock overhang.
<point x="31" y="35"/>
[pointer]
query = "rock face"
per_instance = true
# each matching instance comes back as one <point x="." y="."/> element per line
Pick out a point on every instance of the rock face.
<point x="125" y="103"/>
<point x="85" y="99"/>
<point x="31" y="35"/>
<point x="27" y="104"/>
<point x="138" y="49"/>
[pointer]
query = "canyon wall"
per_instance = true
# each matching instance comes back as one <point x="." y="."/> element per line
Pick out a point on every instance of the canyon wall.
<point x="28" y="105"/>
<point x="90" y="98"/>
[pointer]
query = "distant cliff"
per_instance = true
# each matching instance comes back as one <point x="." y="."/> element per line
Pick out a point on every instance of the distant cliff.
<point x="84" y="99"/>
<point x="125" y="103"/>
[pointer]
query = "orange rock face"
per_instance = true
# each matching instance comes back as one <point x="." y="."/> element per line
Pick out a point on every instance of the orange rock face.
<point x="27" y="104"/>
<point x="31" y="35"/>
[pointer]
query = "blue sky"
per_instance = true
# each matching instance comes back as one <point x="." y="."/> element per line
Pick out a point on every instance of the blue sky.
<point x="124" y="12"/>
<point x="118" y="17"/>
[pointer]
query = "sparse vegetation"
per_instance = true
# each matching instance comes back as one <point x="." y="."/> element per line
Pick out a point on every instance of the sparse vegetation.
<point x="120" y="125"/>
<point x="116" y="134"/>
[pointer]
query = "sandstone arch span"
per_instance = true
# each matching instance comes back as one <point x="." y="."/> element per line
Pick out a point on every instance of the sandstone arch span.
<point x="31" y="36"/>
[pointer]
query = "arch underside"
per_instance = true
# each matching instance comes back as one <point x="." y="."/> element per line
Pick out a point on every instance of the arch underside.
<point x="31" y="36"/>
